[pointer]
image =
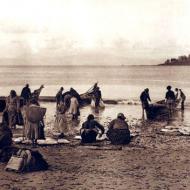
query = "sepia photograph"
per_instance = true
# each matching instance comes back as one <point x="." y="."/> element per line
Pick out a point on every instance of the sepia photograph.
<point x="94" y="95"/>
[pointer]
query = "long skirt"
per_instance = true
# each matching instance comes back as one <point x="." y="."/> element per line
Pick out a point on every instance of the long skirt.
<point x="119" y="136"/>
<point x="12" y="116"/>
<point x="33" y="131"/>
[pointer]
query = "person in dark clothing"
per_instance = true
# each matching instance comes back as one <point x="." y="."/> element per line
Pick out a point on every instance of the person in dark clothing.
<point x="26" y="94"/>
<point x="59" y="96"/>
<point x="89" y="130"/>
<point x="170" y="94"/>
<point x="177" y="94"/>
<point x="74" y="93"/>
<point x="64" y="94"/>
<point x="170" y="99"/>
<point x="5" y="135"/>
<point x="145" y="99"/>
<point x="118" y="130"/>
<point x="98" y="96"/>
<point x="183" y="97"/>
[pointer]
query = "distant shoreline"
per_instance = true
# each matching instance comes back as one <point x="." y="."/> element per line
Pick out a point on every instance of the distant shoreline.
<point x="76" y="65"/>
<point x="173" y="64"/>
<point x="180" y="61"/>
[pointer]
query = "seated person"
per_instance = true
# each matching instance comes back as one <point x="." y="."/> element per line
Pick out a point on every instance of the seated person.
<point x="90" y="129"/>
<point x="118" y="131"/>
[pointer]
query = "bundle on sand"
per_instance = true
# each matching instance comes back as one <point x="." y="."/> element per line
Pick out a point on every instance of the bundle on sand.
<point x="35" y="113"/>
<point x="7" y="152"/>
<point x="26" y="160"/>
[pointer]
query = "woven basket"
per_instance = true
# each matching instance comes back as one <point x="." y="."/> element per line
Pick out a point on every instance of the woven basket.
<point x="35" y="113"/>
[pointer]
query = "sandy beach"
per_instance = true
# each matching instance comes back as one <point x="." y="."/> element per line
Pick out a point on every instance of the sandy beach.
<point x="153" y="160"/>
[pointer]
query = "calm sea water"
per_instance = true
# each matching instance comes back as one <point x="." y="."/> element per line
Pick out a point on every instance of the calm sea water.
<point x="116" y="82"/>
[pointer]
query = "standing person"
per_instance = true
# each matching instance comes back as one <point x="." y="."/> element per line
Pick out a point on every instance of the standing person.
<point x="145" y="99"/>
<point x="26" y="94"/>
<point x="118" y="130"/>
<point x="74" y="107"/>
<point x="12" y="108"/>
<point x="59" y="96"/>
<point x="89" y="130"/>
<point x="98" y="96"/>
<point x="76" y="94"/>
<point x="183" y="97"/>
<point x="35" y="95"/>
<point x="170" y="99"/>
<point x="177" y="94"/>
<point x="67" y="100"/>
<point x="35" y="123"/>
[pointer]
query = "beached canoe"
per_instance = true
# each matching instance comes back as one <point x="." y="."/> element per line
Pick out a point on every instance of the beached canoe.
<point x="159" y="110"/>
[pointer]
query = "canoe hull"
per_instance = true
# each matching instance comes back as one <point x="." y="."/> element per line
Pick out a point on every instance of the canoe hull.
<point x="159" y="110"/>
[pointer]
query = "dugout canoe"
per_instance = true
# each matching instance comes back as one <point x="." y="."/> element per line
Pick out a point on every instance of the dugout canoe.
<point x="159" y="110"/>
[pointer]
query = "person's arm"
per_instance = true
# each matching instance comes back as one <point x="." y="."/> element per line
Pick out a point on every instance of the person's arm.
<point x="18" y="104"/>
<point x="148" y="96"/>
<point x="110" y="126"/>
<point x="7" y="103"/>
<point x="166" y="96"/>
<point x="83" y="125"/>
<point x="100" y="127"/>
<point x="22" y="93"/>
<point x="30" y="94"/>
<point x="77" y="102"/>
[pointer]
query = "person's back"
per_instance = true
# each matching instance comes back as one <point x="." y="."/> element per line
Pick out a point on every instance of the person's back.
<point x="74" y="93"/>
<point x="170" y="100"/>
<point x="183" y="97"/>
<point x="26" y="93"/>
<point x="90" y="130"/>
<point x="67" y="100"/>
<point x="118" y="124"/>
<point x="59" y="96"/>
<point x="170" y="95"/>
<point x="118" y="131"/>
<point x="74" y="106"/>
<point x="12" y="108"/>
<point x="92" y="124"/>
<point x="144" y="97"/>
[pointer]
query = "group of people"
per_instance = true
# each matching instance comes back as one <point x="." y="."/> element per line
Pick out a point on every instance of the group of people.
<point x="16" y="112"/>
<point x="68" y="102"/>
<point x="118" y="130"/>
<point x="171" y="98"/>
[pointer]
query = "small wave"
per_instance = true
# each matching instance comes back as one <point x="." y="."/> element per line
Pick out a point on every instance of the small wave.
<point x="129" y="102"/>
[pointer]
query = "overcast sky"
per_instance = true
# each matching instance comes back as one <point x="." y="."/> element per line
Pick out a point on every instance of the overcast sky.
<point x="90" y="31"/>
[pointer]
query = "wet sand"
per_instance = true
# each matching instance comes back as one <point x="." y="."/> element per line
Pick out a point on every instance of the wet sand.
<point x="151" y="161"/>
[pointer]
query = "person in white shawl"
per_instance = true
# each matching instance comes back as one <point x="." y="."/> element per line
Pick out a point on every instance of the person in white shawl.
<point x="74" y="107"/>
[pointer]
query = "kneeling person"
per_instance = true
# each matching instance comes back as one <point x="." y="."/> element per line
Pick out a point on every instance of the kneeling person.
<point x="90" y="129"/>
<point x="118" y="131"/>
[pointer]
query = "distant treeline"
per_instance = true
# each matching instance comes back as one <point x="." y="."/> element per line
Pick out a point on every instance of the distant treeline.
<point x="181" y="60"/>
